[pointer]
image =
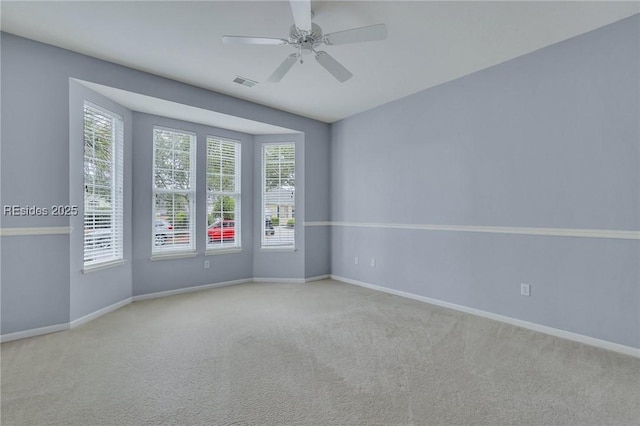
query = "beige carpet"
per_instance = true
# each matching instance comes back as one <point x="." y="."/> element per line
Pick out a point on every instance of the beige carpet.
<point x="325" y="353"/>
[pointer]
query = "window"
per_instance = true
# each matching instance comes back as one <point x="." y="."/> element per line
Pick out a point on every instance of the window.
<point x="174" y="191"/>
<point x="103" y="180"/>
<point x="278" y="194"/>
<point x="223" y="194"/>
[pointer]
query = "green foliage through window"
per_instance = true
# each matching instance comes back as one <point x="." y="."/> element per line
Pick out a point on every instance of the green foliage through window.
<point x="174" y="190"/>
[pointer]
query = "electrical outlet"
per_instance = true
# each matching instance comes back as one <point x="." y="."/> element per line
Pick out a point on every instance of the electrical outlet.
<point x="373" y="263"/>
<point x="206" y="264"/>
<point x="525" y="290"/>
<point x="356" y="260"/>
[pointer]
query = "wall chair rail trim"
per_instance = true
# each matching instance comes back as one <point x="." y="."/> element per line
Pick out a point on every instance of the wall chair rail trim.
<point x="550" y="232"/>
<point x="44" y="230"/>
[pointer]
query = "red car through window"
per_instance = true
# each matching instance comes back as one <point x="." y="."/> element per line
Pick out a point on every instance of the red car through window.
<point x="222" y="231"/>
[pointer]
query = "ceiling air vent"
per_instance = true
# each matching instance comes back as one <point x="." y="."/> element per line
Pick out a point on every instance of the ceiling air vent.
<point x="244" y="81"/>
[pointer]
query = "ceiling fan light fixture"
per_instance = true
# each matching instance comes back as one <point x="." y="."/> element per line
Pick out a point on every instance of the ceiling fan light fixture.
<point x="306" y="36"/>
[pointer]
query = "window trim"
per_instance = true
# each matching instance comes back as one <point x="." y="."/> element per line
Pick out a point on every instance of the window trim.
<point x="275" y="247"/>
<point x="173" y="252"/>
<point x="173" y="255"/>
<point x="116" y="191"/>
<point x="214" y="252"/>
<point x="105" y="265"/>
<point x="237" y="194"/>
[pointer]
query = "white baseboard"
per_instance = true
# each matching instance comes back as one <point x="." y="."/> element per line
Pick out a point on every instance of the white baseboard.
<point x="279" y="280"/>
<point x="82" y="320"/>
<point x="188" y="289"/>
<point x="291" y="280"/>
<point x="99" y="312"/>
<point x="317" y="278"/>
<point x="33" y="332"/>
<point x="592" y="341"/>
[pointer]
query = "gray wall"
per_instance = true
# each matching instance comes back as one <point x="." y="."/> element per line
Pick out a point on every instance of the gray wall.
<point x="162" y="275"/>
<point x="92" y="291"/>
<point x="35" y="281"/>
<point x="547" y="140"/>
<point x="34" y="170"/>
<point x="317" y="205"/>
<point x="272" y="262"/>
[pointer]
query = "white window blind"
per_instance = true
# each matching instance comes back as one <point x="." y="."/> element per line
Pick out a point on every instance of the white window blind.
<point x="278" y="194"/>
<point x="103" y="191"/>
<point x="223" y="194"/>
<point x="174" y="191"/>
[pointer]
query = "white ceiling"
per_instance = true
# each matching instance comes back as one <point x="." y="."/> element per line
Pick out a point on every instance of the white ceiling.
<point x="429" y="42"/>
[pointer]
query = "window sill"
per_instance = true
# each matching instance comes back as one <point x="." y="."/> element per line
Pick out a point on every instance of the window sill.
<point x="172" y="255"/>
<point x="101" y="266"/>
<point x="276" y="249"/>
<point x="213" y="252"/>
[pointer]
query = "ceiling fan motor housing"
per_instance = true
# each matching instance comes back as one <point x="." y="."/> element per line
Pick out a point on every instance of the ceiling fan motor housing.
<point x="305" y="40"/>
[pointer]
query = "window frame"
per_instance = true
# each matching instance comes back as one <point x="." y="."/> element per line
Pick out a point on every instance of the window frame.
<point x="213" y="248"/>
<point x="115" y="241"/>
<point x="161" y="251"/>
<point x="281" y="244"/>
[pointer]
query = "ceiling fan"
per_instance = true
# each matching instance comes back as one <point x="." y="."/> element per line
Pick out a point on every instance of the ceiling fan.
<point x="306" y="37"/>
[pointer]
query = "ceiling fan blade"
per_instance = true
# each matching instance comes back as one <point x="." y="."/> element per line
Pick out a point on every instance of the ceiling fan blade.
<point x="301" y="10"/>
<point x="357" y="35"/>
<point x="284" y="68"/>
<point x="253" y="40"/>
<point x="334" y="67"/>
